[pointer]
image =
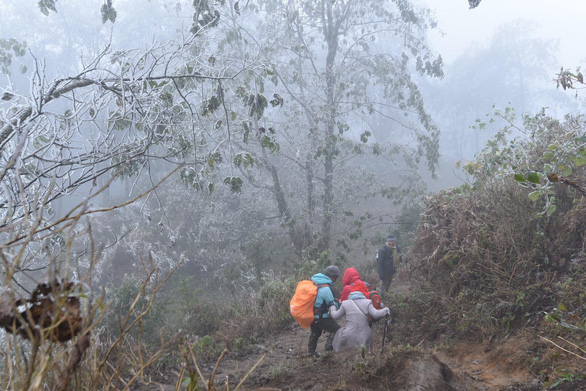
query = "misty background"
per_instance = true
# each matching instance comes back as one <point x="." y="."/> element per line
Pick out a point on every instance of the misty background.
<point x="248" y="210"/>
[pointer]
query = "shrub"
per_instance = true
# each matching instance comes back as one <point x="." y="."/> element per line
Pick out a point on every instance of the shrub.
<point x="490" y="257"/>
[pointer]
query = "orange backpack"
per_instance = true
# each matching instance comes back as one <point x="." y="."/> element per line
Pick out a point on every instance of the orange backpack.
<point x="374" y="296"/>
<point x="301" y="305"/>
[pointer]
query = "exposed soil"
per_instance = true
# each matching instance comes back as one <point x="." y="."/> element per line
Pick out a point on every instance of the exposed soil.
<point x="459" y="366"/>
<point x="286" y="366"/>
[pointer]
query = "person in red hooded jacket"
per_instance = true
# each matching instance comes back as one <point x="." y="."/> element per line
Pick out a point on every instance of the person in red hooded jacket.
<point x="357" y="309"/>
<point x="351" y="276"/>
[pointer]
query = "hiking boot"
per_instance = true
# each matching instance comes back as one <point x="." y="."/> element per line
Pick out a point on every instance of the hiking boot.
<point x="314" y="354"/>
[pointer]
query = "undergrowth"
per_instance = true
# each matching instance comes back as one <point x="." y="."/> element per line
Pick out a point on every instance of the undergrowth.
<point x="493" y="257"/>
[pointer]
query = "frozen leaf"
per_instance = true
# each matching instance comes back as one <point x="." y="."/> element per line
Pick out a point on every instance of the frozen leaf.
<point x="534" y="196"/>
<point x="104" y="11"/>
<point x="580" y="161"/>
<point x="533" y="177"/>
<point x="551" y="210"/>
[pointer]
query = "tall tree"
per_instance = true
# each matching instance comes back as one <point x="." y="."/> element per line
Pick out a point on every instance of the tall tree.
<point x="114" y="116"/>
<point x="123" y="114"/>
<point x="339" y="65"/>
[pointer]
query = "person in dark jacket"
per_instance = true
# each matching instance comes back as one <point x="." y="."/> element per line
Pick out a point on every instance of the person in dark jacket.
<point x="387" y="258"/>
<point x="323" y="301"/>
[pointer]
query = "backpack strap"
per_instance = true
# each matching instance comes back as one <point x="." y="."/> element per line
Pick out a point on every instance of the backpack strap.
<point x="359" y="310"/>
<point x="323" y="308"/>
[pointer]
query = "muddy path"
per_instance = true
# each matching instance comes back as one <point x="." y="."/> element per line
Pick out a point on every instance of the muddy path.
<point x="282" y="364"/>
<point x="462" y="367"/>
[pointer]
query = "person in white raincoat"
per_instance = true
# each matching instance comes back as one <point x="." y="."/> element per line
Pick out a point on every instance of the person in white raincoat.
<point x="357" y="332"/>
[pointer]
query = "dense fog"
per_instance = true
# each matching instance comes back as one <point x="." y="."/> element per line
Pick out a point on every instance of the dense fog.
<point x="238" y="141"/>
<point x="290" y="138"/>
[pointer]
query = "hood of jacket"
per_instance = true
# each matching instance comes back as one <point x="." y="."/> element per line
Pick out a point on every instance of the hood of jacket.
<point x="321" y="278"/>
<point x="350" y="276"/>
<point x="356" y="296"/>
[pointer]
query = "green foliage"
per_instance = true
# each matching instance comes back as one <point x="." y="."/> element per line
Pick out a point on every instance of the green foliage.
<point x="122" y="296"/>
<point x="277" y="100"/>
<point x="108" y="12"/>
<point x="551" y="153"/>
<point x="270" y="143"/>
<point x="234" y="182"/>
<point x="205" y="15"/>
<point x="210" y="105"/>
<point x="207" y="348"/>
<point x="567" y="319"/>
<point x="407" y="222"/>
<point x="315" y="262"/>
<point x="257" y="105"/>
<point x="244" y="159"/>
<point x="482" y="264"/>
<point x="566" y="78"/>
<point x="239" y="345"/>
<point x="236" y="320"/>
<point x="214" y="159"/>
<point x="47" y="5"/>
<point x="273" y="300"/>
<point x="191" y="382"/>
<point x="127" y="165"/>
<point x="8" y="48"/>
<point x="364" y="136"/>
<point x="474" y="3"/>
<point x="564" y="377"/>
<point x="124" y="293"/>
<point x="186" y="305"/>
<point x="482" y="249"/>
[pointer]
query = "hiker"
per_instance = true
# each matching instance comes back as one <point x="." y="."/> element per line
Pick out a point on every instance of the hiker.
<point x="357" y="331"/>
<point x="388" y="259"/>
<point x="350" y="277"/>
<point x="323" y="301"/>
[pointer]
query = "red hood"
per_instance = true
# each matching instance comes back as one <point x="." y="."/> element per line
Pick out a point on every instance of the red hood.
<point x="350" y="276"/>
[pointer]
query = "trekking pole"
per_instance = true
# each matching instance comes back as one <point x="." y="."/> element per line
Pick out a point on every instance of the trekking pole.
<point x="385" y="333"/>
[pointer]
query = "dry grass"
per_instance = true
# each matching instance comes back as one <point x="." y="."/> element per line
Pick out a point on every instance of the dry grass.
<point x="483" y="265"/>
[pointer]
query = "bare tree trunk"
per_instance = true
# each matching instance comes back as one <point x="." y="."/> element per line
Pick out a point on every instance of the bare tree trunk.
<point x="309" y="177"/>
<point x="280" y="198"/>
<point x="331" y="35"/>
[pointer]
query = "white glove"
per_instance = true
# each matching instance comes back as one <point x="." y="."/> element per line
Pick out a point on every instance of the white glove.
<point x="387" y="311"/>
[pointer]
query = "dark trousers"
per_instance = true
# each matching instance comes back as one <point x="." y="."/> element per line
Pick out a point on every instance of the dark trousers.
<point x="386" y="283"/>
<point x="317" y="328"/>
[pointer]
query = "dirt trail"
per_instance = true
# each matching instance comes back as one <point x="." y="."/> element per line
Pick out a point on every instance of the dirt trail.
<point x="286" y="366"/>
